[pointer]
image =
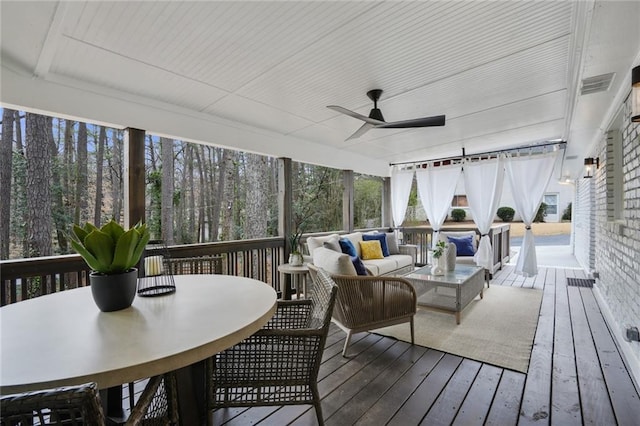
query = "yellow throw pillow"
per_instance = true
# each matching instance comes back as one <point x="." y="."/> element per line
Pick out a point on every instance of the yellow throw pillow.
<point x="371" y="250"/>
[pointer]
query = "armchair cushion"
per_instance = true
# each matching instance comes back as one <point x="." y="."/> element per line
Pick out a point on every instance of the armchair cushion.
<point x="378" y="237"/>
<point x="333" y="262"/>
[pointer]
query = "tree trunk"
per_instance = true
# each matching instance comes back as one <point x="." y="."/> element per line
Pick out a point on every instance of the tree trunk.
<point x="57" y="193"/>
<point x="201" y="201"/>
<point x="20" y="184"/>
<point x="97" y="212"/>
<point x="217" y="205"/>
<point x="228" y="197"/>
<point x="38" y="152"/>
<point x="82" y="181"/>
<point x="69" y="172"/>
<point x="166" y="146"/>
<point x="6" y="159"/>
<point x="256" y="206"/>
<point x="191" y="202"/>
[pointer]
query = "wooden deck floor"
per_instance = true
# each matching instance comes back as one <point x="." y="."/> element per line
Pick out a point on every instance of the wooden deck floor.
<point x="576" y="375"/>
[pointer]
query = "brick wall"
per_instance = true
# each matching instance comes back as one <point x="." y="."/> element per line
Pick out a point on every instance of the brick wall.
<point x="617" y="247"/>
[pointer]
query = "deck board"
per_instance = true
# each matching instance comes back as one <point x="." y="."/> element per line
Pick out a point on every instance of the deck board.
<point x="576" y="375"/>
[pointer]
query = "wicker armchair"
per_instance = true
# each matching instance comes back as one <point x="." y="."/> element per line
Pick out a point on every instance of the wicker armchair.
<point x="365" y="303"/>
<point x="194" y="265"/>
<point x="73" y="405"/>
<point x="278" y="365"/>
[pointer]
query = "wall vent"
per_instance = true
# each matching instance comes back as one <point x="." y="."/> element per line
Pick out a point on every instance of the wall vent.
<point x="595" y="84"/>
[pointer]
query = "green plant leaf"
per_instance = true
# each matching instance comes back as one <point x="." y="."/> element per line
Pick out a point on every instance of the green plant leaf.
<point x="113" y="229"/>
<point x="124" y="250"/>
<point x="142" y="243"/>
<point x="79" y="233"/>
<point x="100" y="245"/>
<point x="88" y="227"/>
<point x="92" y="262"/>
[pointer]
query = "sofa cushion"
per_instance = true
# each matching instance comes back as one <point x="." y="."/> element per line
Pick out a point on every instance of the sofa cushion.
<point x="464" y="245"/>
<point x="378" y="237"/>
<point x="371" y="250"/>
<point x="387" y="265"/>
<point x="333" y="262"/>
<point x="315" y="242"/>
<point x="392" y="243"/>
<point x="347" y="247"/>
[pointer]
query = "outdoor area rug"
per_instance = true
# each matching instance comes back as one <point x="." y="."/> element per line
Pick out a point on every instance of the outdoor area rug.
<point x="498" y="329"/>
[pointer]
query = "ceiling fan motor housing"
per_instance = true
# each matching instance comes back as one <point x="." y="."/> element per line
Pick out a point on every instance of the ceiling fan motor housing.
<point x="376" y="114"/>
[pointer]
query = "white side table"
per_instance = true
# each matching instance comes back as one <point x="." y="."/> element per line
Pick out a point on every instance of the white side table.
<point x="298" y="275"/>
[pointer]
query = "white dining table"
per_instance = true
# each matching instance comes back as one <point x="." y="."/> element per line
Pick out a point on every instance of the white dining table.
<point x="64" y="339"/>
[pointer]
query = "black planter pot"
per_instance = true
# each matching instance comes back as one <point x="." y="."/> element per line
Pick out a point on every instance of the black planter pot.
<point x="114" y="292"/>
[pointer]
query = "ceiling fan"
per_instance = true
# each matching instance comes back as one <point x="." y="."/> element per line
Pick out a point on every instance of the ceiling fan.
<point x="375" y="120"/>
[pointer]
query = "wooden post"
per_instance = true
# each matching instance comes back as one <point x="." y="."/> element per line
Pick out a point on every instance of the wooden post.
<point x="387" y="220"/>
<point x="285" y="214"/>
<point x="134" y="178"/>
<point x="347" y="200"/>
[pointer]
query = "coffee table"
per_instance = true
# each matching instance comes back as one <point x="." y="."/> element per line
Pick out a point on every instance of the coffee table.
<point x="451" y="292"/>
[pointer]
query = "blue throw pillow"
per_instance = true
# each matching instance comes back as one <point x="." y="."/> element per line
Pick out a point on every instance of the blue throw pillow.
<point x="379" y="237"/>
<point x="464" y="245"/>
<point x="347" y="247"/>
<point x="357" y="263"/>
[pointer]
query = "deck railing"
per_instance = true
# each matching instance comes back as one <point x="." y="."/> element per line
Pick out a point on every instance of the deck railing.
<point x="23" y="279"/>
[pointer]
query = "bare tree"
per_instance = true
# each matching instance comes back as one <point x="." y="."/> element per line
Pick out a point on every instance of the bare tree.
<point x="6" y="158"/>
<point x="97" y="212"/>
<point x="166" y="147"/>
<point x="38" y="153"/>
<point x="116" y="173"/>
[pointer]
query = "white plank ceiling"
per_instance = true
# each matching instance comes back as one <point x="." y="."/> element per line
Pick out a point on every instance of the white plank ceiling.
<point x="258" y="76"/>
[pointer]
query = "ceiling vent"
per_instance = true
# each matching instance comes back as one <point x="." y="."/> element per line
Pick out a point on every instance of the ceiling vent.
<point x="598" y="83"/>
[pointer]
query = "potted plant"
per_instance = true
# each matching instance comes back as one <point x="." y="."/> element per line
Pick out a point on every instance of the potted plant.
<point x="295" y="258"/>
<point x="111" y="253"/>
<point x="438" y="251"/>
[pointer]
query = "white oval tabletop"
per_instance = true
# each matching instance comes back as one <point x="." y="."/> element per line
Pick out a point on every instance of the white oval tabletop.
<point x="63" y="338"/>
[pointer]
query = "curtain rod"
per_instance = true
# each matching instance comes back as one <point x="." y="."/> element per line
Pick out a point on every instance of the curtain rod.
<point x="561" y="144"/>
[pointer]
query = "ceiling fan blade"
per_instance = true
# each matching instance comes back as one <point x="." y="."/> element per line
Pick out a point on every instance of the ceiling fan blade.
<point x="436" y="120"/>
<point x="354" y="114"/>
<point x="361" y="131"/>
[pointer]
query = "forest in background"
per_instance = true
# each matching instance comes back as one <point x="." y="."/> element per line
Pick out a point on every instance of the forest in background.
<point x="56" y="172"/>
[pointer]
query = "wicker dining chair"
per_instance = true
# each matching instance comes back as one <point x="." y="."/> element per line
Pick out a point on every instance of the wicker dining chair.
<point x="365" y="303"/>
<point x="72" y="405"/>
<point x="158" y="403"/>
<point x="279" y="364"/>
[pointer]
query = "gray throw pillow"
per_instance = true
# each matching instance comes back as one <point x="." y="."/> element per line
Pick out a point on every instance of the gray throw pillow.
<point x="392" y="243"/>
<point x="332" y="245"/>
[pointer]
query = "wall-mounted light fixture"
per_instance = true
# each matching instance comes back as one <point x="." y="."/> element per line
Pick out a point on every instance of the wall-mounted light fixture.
<point x="635" y="94"/>
<point x="590" y="166"/>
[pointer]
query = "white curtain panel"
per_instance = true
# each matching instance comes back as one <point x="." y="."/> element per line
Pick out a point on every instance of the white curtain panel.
<point x="436" y="186"/>
<point x="529" y="177"/>
<point x="483" y="182"/>
<point x="401" y="181"/>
